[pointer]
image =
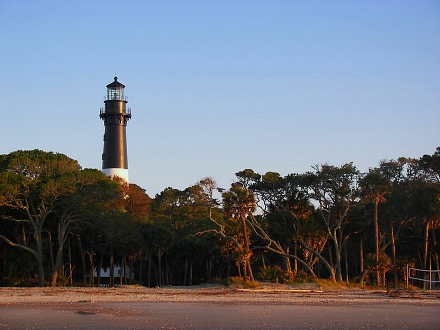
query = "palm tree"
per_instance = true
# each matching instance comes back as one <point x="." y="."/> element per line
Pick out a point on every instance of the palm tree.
<point x="238" y="204"/>
<point x="374" y="186"/>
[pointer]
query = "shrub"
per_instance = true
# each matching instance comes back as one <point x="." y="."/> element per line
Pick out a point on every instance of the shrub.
<point x="238" y="282"/>
<point x="270" y="273"/>
<point x="277" y="275"/>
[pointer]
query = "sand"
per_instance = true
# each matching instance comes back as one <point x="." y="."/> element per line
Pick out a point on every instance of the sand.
<point x="266" y="293"/>
<point x="217" y="307"/>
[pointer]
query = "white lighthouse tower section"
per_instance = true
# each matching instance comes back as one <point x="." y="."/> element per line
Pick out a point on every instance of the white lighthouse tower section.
<point x="120" y="172"/>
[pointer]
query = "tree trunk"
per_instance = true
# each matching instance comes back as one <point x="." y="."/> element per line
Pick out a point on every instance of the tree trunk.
<point x="238" y="269"/>
<point x="92" y="269"/>
<point x="393" y="248"/>
<point x="337" y="256"/>
<point x="122" y="271"/>
<point x="243" y="266"/>
<point x="426" y="245"/>
<point x="52" y="263"/>
<point x="23" y="236"/>
<point x="246" y="250"/>
<point x="56" y="268"/>
<point x="149" y="272"/>
<point x="376" y="238"/>
<point x="326" y="263"/>
<point x="295" y="253"/>
<point x="249" y="269"/>
<point x="286" y="259"/>
<point x="434" y="248"/>
<point x="70" y="262"/>
<point x="185" y="270"/>
<point x="62" y="269"/>
<point x="99" y="268"/>
<point x="58" y="258"/>
<point x="130" y="271"/>
<point x="112" y="268"/>
<point x="169" y="273"/>
<point x="160" y="267"/>
<point x="208" y="269"/>
<point x="330" y="259"/>
<point x="361" y="255"/>
<point x="83" y="260"/>
<point x="263" y="260"/>
<point x="141" y="264"/>
<point x="39" y="257"/>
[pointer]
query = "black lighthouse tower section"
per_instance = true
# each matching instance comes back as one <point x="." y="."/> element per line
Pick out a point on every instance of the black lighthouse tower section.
<point x="115" y="115"/>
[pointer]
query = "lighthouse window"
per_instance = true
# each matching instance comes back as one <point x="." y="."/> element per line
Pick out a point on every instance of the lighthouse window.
<point x="104" y="137"/>
<point x="115" y="94"/>
<point x="103" y="156"/>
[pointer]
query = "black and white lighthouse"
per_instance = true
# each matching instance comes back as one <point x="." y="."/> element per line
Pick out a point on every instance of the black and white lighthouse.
<point x="115" y="115"/>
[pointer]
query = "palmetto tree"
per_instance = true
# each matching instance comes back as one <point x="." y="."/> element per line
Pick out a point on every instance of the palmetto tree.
<point x="239" y="203"/>
<point x="374" y="187"/>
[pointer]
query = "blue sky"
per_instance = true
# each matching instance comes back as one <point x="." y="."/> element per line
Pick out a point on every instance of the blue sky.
<point x="219" y="86"/>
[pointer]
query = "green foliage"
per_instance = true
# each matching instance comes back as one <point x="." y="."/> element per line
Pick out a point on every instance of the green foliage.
<point x="385" y="262"/>
<point x="19" y="269"/>
<point x="46" y="199"/>
<point x="375" y="186"/>
<point x="271" y="273"/>
<point x="276" y="274"/>
<point x="239" y="202"/>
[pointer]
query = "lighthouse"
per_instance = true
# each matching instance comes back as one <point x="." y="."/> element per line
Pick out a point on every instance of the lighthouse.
<point x="115" y="115"/>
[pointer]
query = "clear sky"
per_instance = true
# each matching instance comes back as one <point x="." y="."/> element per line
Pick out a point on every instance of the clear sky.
<point x="219" y="86"/>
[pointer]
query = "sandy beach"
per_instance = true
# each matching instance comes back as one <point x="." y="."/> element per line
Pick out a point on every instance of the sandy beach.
<point x="217" y="307"/>
<point x="267" y="293"/>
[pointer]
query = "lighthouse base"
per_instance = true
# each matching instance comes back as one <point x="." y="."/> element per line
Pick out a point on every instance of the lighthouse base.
<point x="120" y="172"/>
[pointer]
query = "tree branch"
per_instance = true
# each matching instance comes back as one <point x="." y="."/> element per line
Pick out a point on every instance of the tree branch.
<point x="21" y="246"/>
<point x="9" y="218"/>
<point x="302" y="262"/>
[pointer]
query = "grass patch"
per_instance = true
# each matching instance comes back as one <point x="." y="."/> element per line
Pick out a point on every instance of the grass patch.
<point x="332" y="285"/>
<point x="239" y="283"/>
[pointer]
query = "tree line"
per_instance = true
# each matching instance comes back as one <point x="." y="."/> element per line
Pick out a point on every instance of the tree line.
<point x="59" y="223"/>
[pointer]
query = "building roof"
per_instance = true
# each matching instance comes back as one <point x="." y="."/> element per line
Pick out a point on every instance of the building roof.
<point x="115" y="84"/>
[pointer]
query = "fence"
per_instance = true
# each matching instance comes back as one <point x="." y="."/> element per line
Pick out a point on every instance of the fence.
<point x="424" y="278"/>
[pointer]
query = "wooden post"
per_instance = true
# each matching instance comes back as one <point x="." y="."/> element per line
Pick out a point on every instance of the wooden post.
<point x="430" y="274"/>
<point x="407" y="276"/>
